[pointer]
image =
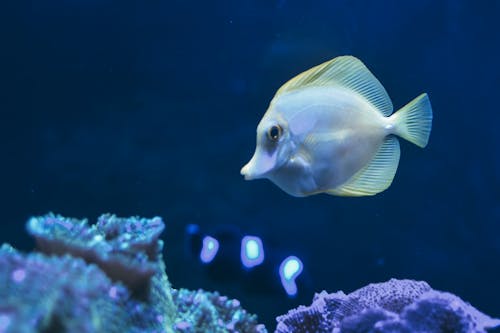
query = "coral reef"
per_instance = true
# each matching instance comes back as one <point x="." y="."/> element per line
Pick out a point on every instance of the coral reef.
<point x="41" y="294"/>
<point x="107" y="277"/>
<point x="125" y="249"/>
<point x="197" y="311"/>
<point x="393" y="306"/>
<point x="110" y="277"/>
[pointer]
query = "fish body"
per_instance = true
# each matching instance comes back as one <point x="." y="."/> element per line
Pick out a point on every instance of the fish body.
<point x="330" y="130"/>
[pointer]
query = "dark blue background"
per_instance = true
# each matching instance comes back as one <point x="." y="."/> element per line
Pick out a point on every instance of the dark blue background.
<point x="150" y="108"/>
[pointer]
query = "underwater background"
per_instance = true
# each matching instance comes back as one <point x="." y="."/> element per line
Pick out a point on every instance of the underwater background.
<point x="150" y="108"/>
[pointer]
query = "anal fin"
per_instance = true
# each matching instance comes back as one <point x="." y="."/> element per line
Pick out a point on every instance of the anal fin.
<point x="376" y="176"/>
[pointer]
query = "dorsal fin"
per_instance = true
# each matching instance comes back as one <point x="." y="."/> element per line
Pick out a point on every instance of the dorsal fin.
<point x="376" y="176"/>
<point x="348" y="72"/>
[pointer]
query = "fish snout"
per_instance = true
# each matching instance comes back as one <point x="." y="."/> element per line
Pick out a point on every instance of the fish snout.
<point x="249" y="172"/>
<point x="245" y="171"/>
<point x="259" y="166"/>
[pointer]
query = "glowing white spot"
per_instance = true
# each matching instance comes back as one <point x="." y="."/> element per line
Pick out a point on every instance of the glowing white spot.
<point x="252" y="251"/>
<point x="290" y="268"/>
<point x="209" y="249"/>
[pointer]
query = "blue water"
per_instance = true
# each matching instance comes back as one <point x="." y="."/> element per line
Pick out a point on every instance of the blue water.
<point x="150" y="108"/>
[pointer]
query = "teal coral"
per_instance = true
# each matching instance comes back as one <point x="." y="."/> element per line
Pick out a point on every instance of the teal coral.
<point x="53" y="294"/>
<point x="126" y="249"/>
<point x="199" y="310"/>
<point x="107" y="277"/>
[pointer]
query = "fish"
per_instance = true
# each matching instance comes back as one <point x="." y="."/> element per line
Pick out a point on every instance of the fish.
<point x="331" y="129"/>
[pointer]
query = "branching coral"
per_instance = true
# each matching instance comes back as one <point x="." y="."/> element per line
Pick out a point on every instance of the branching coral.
<point x="393" y="306"/>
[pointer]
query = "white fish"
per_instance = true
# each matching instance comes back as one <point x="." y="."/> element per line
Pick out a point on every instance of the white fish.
<point x="330" y="130"/>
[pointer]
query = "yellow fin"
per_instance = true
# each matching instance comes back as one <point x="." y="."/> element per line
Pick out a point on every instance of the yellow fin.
<point x="414" y="121"/>
<point x="348" y="72"/>
<point x="376" y="176"/>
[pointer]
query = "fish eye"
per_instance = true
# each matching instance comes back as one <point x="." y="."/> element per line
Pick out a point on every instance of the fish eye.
<point x="274" y="133"/>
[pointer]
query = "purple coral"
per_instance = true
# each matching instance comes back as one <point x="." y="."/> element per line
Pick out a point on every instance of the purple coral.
<point x="392" y="306"/>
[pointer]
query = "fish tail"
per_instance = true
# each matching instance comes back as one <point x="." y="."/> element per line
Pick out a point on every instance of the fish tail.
<point x="413" y="121"/>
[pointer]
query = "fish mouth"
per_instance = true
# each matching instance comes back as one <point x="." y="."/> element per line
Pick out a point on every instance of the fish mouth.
<point x="245" y="172"/>
<point x="249" y="172"/>
<point x="259" y="166"/>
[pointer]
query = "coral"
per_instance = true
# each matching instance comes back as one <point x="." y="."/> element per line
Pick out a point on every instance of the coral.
<point x="53" y="294"/>
<point x="126" y="249"/>
<point x="199" y="310"/>
<point x="110" y="277"/>
<point x="107" y="277"/>
<point x="393" y="306"/>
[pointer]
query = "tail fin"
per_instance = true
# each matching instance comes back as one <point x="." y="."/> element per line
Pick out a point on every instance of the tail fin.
<point x="413" y="122"/>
